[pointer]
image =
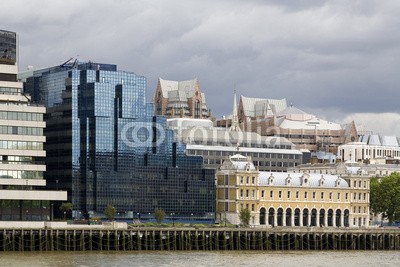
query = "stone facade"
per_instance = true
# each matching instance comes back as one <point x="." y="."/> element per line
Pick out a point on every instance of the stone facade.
<point x="290" y="199"/>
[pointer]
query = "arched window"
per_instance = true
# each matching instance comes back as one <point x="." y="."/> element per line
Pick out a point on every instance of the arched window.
<point x="262" y="216"/>
<point x="197" y="109"/>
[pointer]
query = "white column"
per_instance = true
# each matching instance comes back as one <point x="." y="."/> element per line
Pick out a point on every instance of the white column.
<point x="342" y="219"/>
<point x="284" y="218"/>
<point x="301" y="218"/>
<point x="326" y="218"/>
<point x="334" y="219"/>
<point x="275" y="217"/>
<point x="292" y="218"/>
<point x="317" y="219"/>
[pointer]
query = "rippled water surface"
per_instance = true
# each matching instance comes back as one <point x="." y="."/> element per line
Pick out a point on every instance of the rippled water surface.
<point x="226" y="258"/>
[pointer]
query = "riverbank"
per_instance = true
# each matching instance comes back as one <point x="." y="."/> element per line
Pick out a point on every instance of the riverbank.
<point x="205" y="239"/>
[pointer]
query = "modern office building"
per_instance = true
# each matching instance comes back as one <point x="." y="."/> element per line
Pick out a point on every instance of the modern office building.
<point x="272" y="117"/>
<point x="180" y="99"/>
<point x="21" y="145"/>
<point x="290" y="199"/>
<point x="104" y="146"/>
<point x="215" y="144"/>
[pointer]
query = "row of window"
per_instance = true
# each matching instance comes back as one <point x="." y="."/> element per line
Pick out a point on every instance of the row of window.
<point x="246" y="193"/>
<point x="24" y="145"/>
<point x="10" y="91"/>
<point x="360" y="209"/>
<point x="21" y="116"/>
<point x="21" y="174"/>
<point x="21" y="130"/>
<point x="359" y="184"/>
<point x="15" y="159"/>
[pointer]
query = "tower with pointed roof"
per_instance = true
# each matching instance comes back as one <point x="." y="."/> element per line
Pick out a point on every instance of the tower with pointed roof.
<point x="180" y="99"/>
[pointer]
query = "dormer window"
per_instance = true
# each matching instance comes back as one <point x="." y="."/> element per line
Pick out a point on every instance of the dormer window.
<point x="322" y="181"/>
<point x="288" y="180"/>
<point x="304" y="179"/>
<point x="271" y="180"/>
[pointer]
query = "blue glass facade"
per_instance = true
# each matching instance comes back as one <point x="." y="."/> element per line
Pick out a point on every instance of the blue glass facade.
<point x="105" y="146"/>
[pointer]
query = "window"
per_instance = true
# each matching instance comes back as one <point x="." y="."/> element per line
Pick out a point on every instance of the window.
<point x="322" y="195"/>
<point x="330" y="195"/>
<point x="280" y="194"/>
<point x="338" y="196"/>
<point x="365" y="184"/>
<point x="253" y="193"/>
<point x="247" y="180"/>
<point x="365" y="196"/>
<point x="354" y="210"/>
<point x="226" y="193"/>
<point x="313" y="195"/>
<point x="247" y="192"/>
<point x="271" y="194"/>
<point x="305" y="195"/>
<point x="288" y="194"/>
<point x="347" y="196"/>
<point x="359" y="183"/>
<point x="247" y="206"/>
<point x="359" y="196"/>
<point x="359" y="209"/>
<point x="355" y="184"/>
<point x="253" y="179"/>
<point x="262" y="193"/>
<point x="241" y="192"/>
<point x="226" y="179"/>
<point x="297" y="194"/>
<point x="252" y="207"/>
<point x="241" y="179"/>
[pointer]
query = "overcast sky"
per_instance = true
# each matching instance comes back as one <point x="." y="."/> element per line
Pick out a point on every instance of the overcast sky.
<point x="339" y="60"/>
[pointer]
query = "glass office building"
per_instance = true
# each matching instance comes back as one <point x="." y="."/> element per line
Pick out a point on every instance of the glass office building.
<point x="105" y="146"/>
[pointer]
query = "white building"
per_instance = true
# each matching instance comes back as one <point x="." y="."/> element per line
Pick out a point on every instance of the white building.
<point x="21" y="145"/>
<point x="374" y="149"/>
<point x="215" y="144"/>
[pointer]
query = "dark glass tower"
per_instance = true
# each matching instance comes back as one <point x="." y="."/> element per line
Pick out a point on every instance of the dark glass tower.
<point x="105" y="146"/>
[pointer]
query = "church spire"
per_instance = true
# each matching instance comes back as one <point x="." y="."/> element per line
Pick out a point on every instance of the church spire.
<point x="235" y="120"/>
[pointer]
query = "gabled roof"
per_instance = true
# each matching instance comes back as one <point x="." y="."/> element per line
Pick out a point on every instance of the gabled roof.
<point x="295" y="114"/>
<point x="258" y="106"/>
<point x="376" y="140"/>
<point x="186" y="88"/>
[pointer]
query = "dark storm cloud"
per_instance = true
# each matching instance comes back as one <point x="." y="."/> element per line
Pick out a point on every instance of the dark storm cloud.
<point x="332" y="57"/>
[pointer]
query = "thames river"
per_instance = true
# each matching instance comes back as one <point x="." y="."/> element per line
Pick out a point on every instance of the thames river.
<point x="192" y="259"/>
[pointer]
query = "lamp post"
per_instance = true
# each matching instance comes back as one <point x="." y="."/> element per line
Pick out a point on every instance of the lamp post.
<point x="173" y="219"/>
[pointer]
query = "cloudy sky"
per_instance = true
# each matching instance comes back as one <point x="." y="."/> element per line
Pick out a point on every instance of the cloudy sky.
<point x="338" y="59"/>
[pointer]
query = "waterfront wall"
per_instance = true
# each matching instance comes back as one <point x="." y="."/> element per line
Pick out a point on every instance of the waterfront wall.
<point x="198" y="239"/>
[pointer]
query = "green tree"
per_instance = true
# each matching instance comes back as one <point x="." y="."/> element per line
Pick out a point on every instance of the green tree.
<point x="65" y="208"/>
<point x="244" y="216"/>
<point x="110" y="212"/>
<point x="385" y="196"/>
<point x="159" y="215"/>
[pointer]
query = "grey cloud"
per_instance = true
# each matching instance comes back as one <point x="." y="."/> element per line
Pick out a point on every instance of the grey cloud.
<point x="327" y="56"/>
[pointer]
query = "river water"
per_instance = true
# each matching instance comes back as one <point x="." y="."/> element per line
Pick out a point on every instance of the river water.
<point x="192" y="259"/>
